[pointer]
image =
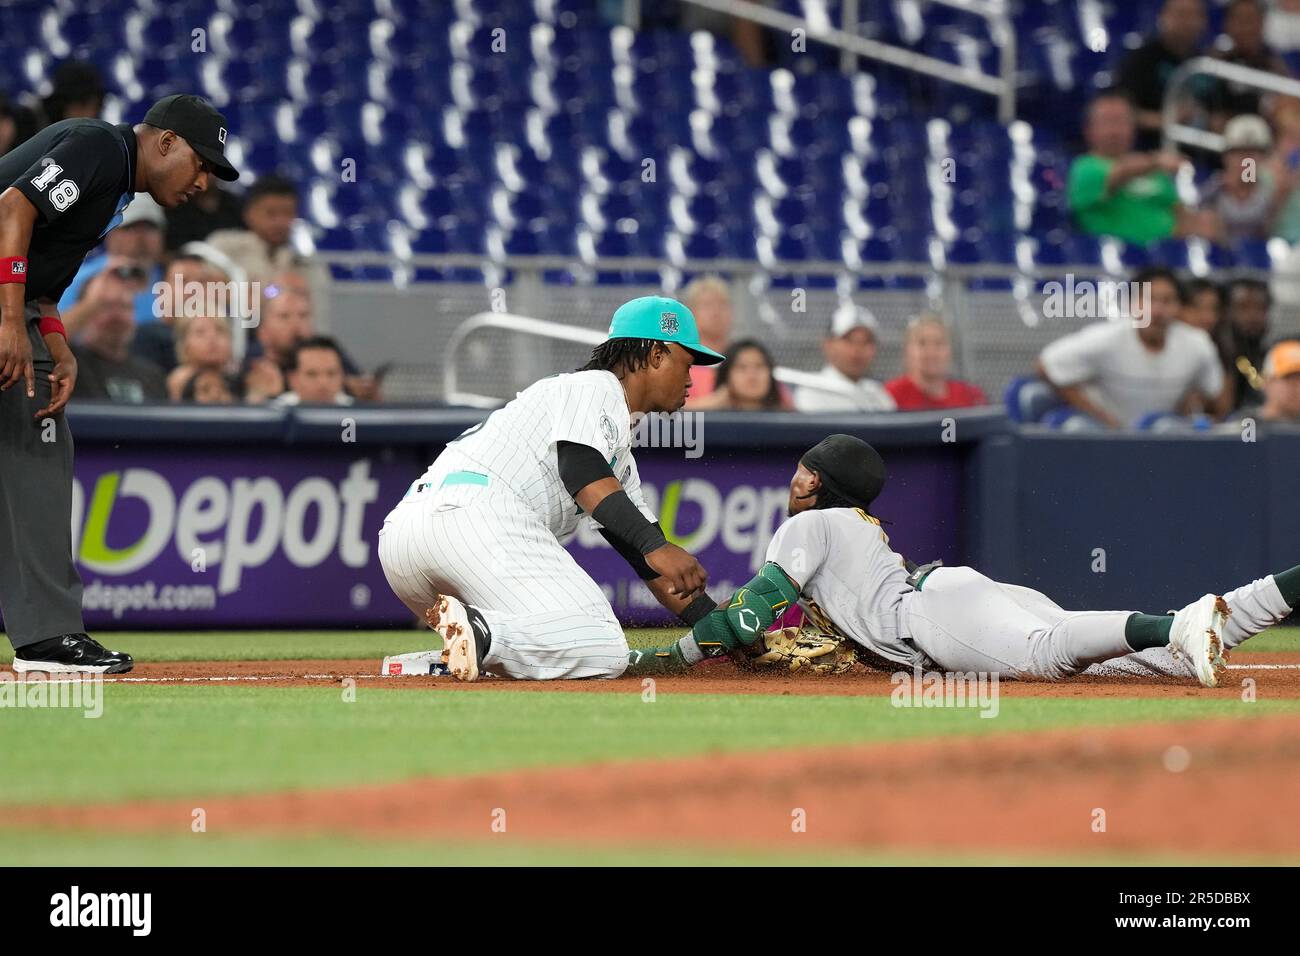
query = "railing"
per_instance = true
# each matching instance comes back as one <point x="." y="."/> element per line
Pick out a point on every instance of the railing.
<point x="1176" y="132"/>
<point x="851" y="45"/>
<point x="559" y="331"/>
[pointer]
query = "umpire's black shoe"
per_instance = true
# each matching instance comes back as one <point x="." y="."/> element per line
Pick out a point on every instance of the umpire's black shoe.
<point x="71" y="654"/>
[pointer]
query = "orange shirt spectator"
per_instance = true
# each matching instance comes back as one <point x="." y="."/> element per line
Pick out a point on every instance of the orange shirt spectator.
<point x="927" y="362"/>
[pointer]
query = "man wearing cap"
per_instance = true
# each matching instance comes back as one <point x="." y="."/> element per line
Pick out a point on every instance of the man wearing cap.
<point x="1253" y="187"/>
<point x="136" y="243"/>
<point x="866" y="602"/>
<point x="61" y="192"/>
<point x="850" y="348"/>
<point x="1281" y="374"/>
<point x="475" y="548"/>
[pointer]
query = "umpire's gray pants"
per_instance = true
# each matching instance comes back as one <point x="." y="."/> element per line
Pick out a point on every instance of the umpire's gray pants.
<point x="40" y="590"/>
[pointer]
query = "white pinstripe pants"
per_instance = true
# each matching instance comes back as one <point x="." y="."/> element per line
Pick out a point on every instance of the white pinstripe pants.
<point x="549" y="619"/>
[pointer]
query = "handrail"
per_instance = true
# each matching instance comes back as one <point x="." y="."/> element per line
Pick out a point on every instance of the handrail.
<point x="1175" y="132"/>
<point x="570" y="333"/>
<point x="1002" y="86"/>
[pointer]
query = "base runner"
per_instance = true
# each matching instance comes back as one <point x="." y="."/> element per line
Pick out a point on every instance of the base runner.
<point x="865" y="601"/>
<point x="475" y="547"/>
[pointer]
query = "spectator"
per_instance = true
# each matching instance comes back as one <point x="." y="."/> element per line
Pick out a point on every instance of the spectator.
<point x="710" y="302"/>
<point x="77" y="92"/>
<point x="203" y="343"/>
<point x="1282" y="25"/>
<point x="927" y="363"/>
<point x="106" y="369"/>
<point x="1113" y="191"/>
<point x="210" y="387"/>
<point x="8" y="125"/>
<point x="1204" y="308"/>
<point x="745" y="382"/>
<point x="1145" y="72"/>
<point x="1281" y="386"/>
<point x="1251" y="190"/>
<point x="284" y="321"/>
<point x="1249" y="303"/>
<point x="1243" y="26"/>
<point x="316" y="374"/>
<point x="138" y="243"/>
<point x="1148" y="361"/>
<point x="211" y="210"/>
<point x="264" y="248"/>
<point x="287" y="317"/>
<point x="156" y="341"/>
<point x="850" y="348"/>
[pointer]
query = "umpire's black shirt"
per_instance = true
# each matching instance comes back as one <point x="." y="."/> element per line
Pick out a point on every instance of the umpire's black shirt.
<point x="77" y="202"/>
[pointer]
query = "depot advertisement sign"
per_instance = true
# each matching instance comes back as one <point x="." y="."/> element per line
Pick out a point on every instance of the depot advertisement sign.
<point x="235" y="539"/>
<point x="252" y="538"/>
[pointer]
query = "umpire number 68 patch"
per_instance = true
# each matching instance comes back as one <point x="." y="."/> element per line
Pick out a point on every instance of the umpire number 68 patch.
<point x="64" y="193"/>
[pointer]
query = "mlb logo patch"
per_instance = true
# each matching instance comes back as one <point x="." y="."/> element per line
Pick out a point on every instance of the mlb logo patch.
<point x="221" y="136"/>
<point x="668" y="323"/>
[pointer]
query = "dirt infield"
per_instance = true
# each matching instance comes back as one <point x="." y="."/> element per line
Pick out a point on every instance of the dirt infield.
<point x="1224" y="786"/>
<point x="1276" y="676"/>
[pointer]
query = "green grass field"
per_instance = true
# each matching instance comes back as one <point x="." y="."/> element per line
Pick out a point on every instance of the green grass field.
<point x="193" y="741"/>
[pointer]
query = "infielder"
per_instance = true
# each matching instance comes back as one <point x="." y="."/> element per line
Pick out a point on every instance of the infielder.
<point x="60" y="194"/>
<point x="475" y="546"/>
<point x="833" y="558"/>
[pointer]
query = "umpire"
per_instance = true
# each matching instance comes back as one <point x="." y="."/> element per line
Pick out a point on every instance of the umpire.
<point x="60" y="194"/>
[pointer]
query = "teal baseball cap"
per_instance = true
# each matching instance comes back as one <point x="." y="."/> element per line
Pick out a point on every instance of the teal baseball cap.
<point x="661" y="319"/>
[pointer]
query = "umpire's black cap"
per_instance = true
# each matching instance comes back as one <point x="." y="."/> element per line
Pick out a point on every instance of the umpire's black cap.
<point x="196" y="121"/>
<point x="849" y="467"/>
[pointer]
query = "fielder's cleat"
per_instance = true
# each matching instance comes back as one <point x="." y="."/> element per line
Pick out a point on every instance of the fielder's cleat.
<point x="1196" y="636"/>
<point x="465" y="637"/>
<point x="71" y="654"/>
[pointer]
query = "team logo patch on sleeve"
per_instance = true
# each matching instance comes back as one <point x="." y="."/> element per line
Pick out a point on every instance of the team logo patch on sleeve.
<point x="668" y="323"/>
<point x="608" y="429"/>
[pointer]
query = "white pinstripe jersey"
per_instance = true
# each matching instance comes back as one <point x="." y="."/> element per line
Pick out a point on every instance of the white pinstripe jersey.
<point x="515" y="446"/>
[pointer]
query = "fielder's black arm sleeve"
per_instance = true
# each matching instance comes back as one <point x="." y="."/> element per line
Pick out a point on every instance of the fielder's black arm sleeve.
<point x="617" y="515"/>
<point x="580" y="465"/>
<point x="631" y="555"/>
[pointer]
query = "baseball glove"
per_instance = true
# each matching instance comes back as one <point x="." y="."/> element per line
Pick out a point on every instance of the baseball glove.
<point x="794" y="648"/>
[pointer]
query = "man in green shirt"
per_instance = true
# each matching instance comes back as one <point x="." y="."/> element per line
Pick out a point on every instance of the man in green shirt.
<point x="1114" y="191"/>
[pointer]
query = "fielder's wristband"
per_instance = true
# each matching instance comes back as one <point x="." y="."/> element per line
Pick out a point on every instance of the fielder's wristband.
<point x="51" y="323"/>
<point x="617" y="515"/>
<point x="13" y="269"/>
<point x="698" y="610"/>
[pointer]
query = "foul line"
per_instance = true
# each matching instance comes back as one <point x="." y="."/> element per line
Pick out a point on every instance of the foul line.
<point x="55" y="678"/>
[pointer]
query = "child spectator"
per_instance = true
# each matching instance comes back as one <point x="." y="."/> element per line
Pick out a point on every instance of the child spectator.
<point x="210" y="387"/>
<point x="203" y="343"/>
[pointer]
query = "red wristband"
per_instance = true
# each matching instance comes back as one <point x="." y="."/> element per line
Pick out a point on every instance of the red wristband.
<point x="13" y="269"/>
<point x="51" y="323"/>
